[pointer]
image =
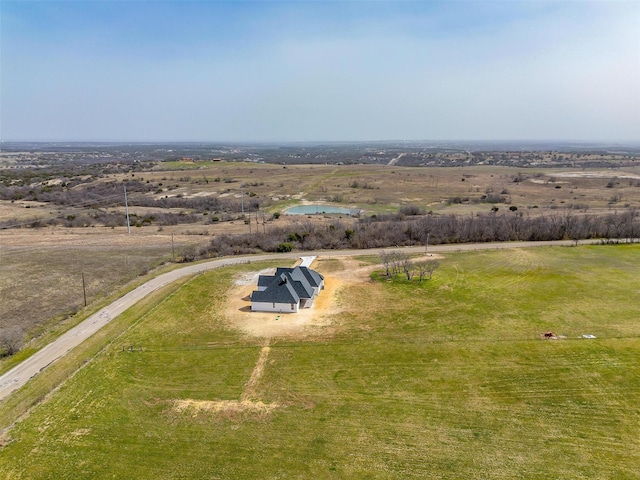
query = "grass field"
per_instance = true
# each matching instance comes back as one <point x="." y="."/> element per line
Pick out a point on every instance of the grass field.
<point x="41" y="284"/>
<point x="41" y="268"/>
<point x="447" y="378"/>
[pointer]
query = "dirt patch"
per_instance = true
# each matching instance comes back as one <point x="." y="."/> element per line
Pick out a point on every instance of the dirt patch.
<point x="250" y="387"/>
<point x="196" y="407"/>
<point x="598" y="174"/>
<point x="314" y="321"/>
<point x="251" y="278"/>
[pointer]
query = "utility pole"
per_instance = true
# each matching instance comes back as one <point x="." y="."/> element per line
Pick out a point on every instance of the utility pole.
<point x="426" y="248"/>
<point x="173" y="251"/>
<point x="84" y="290"/>
<point x="126" y="207"/>
<point x="242" y="198"/>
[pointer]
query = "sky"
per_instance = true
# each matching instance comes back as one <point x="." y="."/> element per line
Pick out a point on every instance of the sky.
<point x="273" y="71"/>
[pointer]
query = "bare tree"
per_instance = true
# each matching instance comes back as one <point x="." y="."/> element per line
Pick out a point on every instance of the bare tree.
<point x="422" y="270"/>
<point x="408" y="268"/>
<point x="385" y="259"/>
<point x="10" y="340"/>
<point x="398" y="259"/>
<point x="426" y="267"/>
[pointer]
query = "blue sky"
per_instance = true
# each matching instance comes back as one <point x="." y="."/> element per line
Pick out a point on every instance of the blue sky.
<point x="319" y="71"/>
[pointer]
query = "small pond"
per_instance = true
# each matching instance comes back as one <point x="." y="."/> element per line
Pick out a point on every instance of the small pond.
<point x="318" y="209"/>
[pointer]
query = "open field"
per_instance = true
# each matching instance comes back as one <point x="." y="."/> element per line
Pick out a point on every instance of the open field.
<point x="373" y="188"/>
<point x="109" y="258"/>
<point x="447" y="378"/>
<point x="41" y="271"/>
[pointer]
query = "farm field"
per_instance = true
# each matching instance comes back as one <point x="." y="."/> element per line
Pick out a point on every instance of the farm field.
<point x="446" y="378"/>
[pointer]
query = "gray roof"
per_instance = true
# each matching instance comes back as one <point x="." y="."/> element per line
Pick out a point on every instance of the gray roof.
<point x="288" y="285"/>
<point x="313" y="278"/>
<point x="281" y="290"/>
<point x="265" y="280"/>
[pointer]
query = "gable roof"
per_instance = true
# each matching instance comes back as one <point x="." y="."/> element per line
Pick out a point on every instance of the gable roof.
<point x="312" y="277"/>
<point x="288" y="285"/>
<point x="281" y="290"/>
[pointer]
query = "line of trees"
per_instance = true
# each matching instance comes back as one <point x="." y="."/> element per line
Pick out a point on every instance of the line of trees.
<point x="392" y="231"/>
<point x="396" y="263"/>
<point x="107" y="219"/>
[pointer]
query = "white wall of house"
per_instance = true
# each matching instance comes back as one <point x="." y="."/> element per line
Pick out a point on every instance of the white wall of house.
<point x="307" y="303"/>
<point x="316" y="290"/>
<point x="275" y="307"/>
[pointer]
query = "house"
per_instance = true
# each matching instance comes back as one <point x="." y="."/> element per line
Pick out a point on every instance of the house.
<point x="289" y="290"/>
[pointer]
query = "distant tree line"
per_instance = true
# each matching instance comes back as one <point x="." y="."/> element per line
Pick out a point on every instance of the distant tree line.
<point x="72" y="193"/>
<point x="96" y="197"/>
<point x="386" y="231"/>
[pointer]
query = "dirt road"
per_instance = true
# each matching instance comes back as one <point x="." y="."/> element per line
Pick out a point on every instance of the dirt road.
<point x="22" y="373"/>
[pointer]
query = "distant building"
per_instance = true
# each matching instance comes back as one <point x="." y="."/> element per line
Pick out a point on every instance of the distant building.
<point x="289" y="290"/>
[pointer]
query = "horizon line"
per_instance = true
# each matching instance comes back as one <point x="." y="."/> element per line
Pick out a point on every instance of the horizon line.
<point x="254" y="142"/>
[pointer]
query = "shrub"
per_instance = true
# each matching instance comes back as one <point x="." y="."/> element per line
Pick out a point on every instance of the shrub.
<point x="285" y="247"/>
<point x="411" y="210"/>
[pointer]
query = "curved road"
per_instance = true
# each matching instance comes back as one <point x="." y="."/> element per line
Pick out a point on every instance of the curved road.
<point x="22" y="373"/>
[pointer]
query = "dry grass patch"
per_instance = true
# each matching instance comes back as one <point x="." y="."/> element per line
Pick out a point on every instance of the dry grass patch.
<point x="223" y="407"/>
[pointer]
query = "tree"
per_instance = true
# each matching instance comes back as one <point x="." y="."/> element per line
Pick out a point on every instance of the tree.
<point x="422" y="270"/>
<point x="394" y="263"/>
<point x="408" y="268"/>
<point x="432" y="266"/>
<point x="385" y="259"/>
<point x="10" y="340"/>
<point x="427" y="267"/>
<point x="398" y="259"/>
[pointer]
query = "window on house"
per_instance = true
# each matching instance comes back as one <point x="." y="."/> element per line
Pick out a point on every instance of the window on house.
<point x="274" y="304"/>
<point x="293" y="306"/>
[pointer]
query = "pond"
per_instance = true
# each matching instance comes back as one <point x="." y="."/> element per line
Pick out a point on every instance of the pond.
<point x="318" y="209"/>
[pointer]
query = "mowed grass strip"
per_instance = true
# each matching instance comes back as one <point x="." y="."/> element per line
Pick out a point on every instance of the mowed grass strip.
<point x="447" y="378"/>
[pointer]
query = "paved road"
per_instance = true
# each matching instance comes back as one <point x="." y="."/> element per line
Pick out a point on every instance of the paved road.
<point x="22" y="373"/>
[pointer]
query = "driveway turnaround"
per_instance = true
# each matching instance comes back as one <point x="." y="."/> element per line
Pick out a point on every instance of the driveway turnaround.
<point x="22" y="373"/>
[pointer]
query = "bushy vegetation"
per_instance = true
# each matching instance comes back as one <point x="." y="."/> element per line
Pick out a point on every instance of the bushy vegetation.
<point x="91" y="201"/>
<point x="384" y="231"/>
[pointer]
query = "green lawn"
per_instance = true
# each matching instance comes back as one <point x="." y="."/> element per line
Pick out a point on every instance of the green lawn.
<point x="445" y="378"/>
